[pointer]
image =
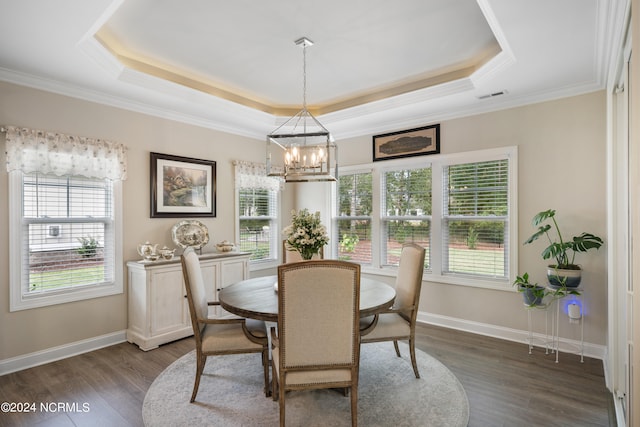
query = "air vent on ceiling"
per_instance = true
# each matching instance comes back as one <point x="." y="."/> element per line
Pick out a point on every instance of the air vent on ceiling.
<point x="494" y="94"/>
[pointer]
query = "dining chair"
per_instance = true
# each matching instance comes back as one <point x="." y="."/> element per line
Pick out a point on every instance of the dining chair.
<point x="399" y="322"/>
<point x="317" y="344"/>
<point x="292" y="255"/>
<point x="216" y="336"/>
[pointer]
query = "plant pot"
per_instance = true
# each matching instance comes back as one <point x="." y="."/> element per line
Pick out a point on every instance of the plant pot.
<point x="561" y="277"/>
<point x="529" y="295"/>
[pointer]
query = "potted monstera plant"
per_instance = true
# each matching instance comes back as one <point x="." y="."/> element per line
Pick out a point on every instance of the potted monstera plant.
<point x="564" y="273"/>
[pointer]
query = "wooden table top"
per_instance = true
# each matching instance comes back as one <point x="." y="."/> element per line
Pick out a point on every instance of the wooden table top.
<point x="257" y="299"/>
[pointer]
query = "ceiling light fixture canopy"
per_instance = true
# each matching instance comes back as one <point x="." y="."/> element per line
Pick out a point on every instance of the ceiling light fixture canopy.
<point x="305" y="147"/>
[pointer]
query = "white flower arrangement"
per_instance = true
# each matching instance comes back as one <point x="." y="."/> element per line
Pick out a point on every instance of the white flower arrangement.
<point x="306" y="234"/>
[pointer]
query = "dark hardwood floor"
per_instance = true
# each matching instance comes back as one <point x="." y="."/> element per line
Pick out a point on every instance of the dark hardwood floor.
<point x="505" y="385"/>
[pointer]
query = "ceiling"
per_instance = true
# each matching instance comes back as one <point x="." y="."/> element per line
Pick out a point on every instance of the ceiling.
<point x="375" y="66"/>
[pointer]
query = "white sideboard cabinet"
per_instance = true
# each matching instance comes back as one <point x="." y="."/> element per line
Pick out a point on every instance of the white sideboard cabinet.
<point x="158" y="308"/>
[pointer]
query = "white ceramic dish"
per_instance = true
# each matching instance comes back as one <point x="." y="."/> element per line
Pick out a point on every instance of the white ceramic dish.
<point x="190" y="233"/>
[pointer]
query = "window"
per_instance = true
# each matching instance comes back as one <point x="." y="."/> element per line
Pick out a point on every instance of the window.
<point x="460" y="207"/>
<point x="475" y="219"/>
<point x="258" y="223"/>
<point x="353" y="223"/>
<point x="406" y="212"/>
<point x="65" y="228"/>
<point x="68" y="228"/>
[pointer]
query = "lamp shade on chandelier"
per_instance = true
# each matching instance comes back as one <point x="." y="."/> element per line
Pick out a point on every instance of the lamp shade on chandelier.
<point x="302" y="144"/>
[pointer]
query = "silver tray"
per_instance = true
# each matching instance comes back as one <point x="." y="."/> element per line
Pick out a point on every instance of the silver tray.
<point x="190" y="233"/>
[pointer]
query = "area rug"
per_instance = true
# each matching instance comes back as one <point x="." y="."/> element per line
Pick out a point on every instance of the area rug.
<point x="231" y="394"/>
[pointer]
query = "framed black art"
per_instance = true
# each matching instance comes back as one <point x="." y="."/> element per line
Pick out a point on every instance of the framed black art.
<point x="407" y="143"/>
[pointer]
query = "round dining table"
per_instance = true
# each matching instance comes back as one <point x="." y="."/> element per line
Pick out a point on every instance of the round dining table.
<point x="257" y="298"/>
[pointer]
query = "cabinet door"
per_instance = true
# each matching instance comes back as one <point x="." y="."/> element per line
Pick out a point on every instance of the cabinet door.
<point x="137" y="302"/>
<point x="211" y="277"/>
<point x="167" y="306"/>
<point x="233" y="271"/>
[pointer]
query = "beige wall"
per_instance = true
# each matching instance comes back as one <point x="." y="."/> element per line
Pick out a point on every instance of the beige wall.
<point x="570" y="131"/>
<point x="38" y="329"/>
<point x="562" y="166"/>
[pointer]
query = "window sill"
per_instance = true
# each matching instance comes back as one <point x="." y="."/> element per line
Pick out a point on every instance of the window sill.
<point x="474" y="282"/>
<point x="43" y="300"/>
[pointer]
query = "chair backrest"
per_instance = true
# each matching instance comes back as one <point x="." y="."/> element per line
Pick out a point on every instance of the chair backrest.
<point x="292" y="255"/>
<point x="409" y="279"/>
<point x="194" y="284"/>
<point x="318" y="313"/>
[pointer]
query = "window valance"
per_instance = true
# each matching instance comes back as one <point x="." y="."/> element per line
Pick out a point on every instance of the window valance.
<point x="254" y="175"/>
<point x="31" y="150"/>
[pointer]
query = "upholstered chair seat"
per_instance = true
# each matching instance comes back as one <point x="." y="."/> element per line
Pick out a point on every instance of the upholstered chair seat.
<point x="229" y="336"/>
<point x="387" y="325"/>
<point x="313" y="377"/>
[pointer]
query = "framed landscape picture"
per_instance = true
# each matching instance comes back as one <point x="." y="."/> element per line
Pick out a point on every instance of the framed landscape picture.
<point x="407" y="143"/>
<point x="182" y="186"/>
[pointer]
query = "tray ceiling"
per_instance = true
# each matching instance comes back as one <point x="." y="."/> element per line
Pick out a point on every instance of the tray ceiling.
<point x="375" y="65"/>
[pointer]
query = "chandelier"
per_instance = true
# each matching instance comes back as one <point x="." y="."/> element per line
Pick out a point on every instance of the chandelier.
<point x="303" y="145"/>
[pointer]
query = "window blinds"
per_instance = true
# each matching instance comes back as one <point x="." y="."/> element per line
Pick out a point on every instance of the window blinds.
<point x="354" y="217"/>
<point x="68" y="232"/>
<point x="475" y="219"/>
<point x="258" y="222"/>
<point x="406" y="212"/>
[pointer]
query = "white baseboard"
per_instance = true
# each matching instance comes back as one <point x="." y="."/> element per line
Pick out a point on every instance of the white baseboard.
<point x="516" y="335"/>
<point x="61" y="352"/>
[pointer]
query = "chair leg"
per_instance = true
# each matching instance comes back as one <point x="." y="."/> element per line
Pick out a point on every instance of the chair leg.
<point x="395" y="344"/>
<point x="274" y="383"/>
<point x="265" y="366"/>
<point x="412" y="350"/>
<point x="354" y="406"/>
<point x="200" y="362"/>
<point x="281" y="400"/>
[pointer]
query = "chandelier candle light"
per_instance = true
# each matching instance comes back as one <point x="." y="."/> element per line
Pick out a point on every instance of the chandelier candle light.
<point x="306" y="146"/>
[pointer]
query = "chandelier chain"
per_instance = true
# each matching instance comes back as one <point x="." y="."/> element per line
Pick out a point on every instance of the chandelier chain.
<point x="304" y="77"/>
<point x="304" y="87"/>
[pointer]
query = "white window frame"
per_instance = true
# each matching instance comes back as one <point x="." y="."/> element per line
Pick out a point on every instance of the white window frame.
<point x="18" y="300"/>
<point x="337" y="215"/>
<point x="275" y="239"/>
<point x="511" y="219"/>
<point x="438" y="162"/>
<point x="385" y="218"/>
